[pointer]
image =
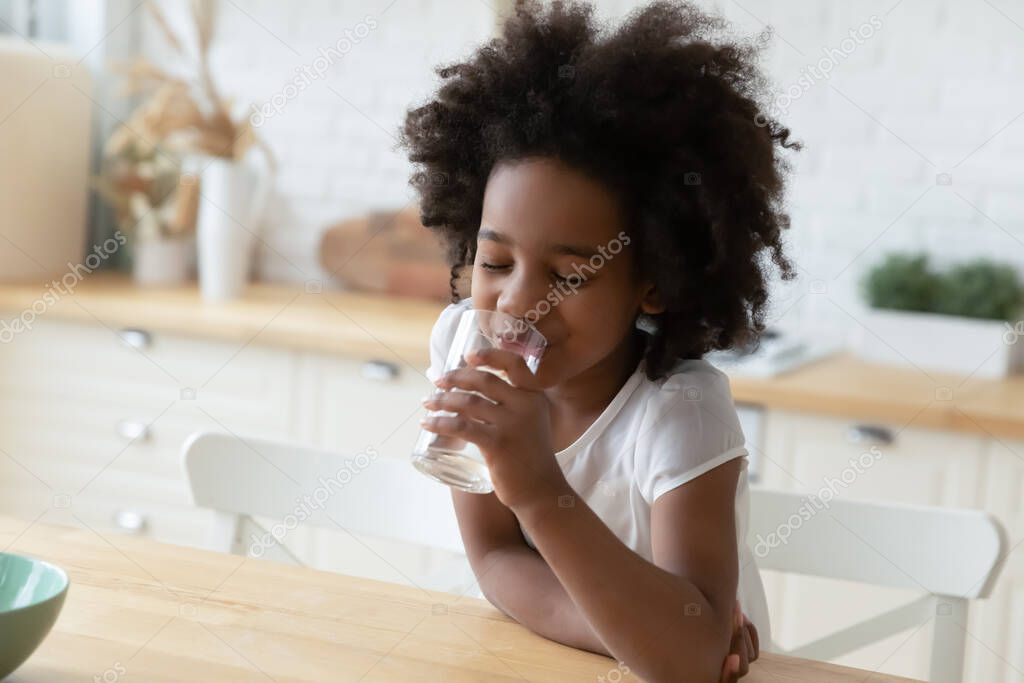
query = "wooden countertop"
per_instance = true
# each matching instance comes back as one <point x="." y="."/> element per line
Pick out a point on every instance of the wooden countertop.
<point x="160" y="613"/>
<point x="361" y="325"/>
<point x="845" y="386"/>
<point x="386" y="328"/>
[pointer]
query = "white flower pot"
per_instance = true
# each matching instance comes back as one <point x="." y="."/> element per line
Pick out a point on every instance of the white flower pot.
<point x="944" y="343"/>
<point x="162" y="262"/>
<point x="232" y="198"/>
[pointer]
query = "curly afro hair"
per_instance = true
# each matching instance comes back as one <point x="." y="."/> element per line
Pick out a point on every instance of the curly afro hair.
<point x="661" y="110"/>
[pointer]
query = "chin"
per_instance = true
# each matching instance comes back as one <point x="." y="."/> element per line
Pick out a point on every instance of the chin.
<point x="550" y="366"/>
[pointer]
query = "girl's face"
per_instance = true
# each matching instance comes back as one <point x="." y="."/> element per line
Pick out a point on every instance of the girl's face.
<point x="552" y="250"/>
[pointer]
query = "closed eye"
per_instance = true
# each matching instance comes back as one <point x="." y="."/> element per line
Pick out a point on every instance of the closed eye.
<point x="494" y="267"/>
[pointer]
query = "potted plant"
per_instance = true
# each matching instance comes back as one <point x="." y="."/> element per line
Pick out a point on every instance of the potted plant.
<point x="965" y="319"/>
<point x="185" y="122"/>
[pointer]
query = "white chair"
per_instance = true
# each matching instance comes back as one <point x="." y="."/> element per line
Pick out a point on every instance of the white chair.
<point x="375" y="496"/>
<point x="952" y="556"/>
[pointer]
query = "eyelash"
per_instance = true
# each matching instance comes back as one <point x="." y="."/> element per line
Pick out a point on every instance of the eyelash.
<point x="495" y="268"/>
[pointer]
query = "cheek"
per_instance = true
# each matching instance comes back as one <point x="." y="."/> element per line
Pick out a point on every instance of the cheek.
<point x="588" y="322"/>
<point x="599" y="317"/>
<point x="484" y="295"/>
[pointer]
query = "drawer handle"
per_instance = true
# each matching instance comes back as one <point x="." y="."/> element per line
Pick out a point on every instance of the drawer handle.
<point x="135" y="338"/>
<point x="133" y="430"/>
<point x="380" y="370"/>
<point x="875" y="434"/>
<point x="130" y="521"/>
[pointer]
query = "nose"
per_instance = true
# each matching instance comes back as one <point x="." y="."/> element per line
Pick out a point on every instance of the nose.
<point x="521" y="297"/>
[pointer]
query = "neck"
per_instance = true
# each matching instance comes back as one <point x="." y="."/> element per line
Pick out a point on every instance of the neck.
<point x="592" y="390"/>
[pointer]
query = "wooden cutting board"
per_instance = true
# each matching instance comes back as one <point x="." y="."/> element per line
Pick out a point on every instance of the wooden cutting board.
<point x="387" y="252"/>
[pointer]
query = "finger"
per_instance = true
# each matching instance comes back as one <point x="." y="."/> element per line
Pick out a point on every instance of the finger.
<point x="742" y="661"/>
<point x="513" y="364"/>
<point x="737" y="648"/>
<point x="472" y="379"/>
<point x="754" y="638"/>
<point x="463" y="403"/>
<point x="460" y="427"/>
<point x="728" y="670"/>
<point x="749" y="649"/>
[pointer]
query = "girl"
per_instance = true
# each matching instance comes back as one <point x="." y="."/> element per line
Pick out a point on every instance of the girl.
<point x="620" y="190"/>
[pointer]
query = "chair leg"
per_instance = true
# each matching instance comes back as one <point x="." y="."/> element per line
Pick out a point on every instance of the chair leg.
<point x="949" y="640"/>
<point x="225" y="533"/>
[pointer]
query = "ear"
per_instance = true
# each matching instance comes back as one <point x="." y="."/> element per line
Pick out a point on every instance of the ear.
<point x="650" y="300"/>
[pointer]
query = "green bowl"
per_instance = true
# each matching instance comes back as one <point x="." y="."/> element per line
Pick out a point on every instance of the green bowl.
<point x="31" y="595"/>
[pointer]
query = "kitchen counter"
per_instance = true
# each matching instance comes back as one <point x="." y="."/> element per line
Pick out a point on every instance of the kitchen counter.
<point x="361" y="325"/>
<point x="375" y="327"/>
<point x="158" y="612"/>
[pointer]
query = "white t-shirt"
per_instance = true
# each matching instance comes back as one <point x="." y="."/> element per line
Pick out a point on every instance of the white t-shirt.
<point x="652" y="437"/>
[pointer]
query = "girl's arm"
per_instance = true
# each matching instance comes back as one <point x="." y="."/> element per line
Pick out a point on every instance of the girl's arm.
<point x="670" y="620"/>
<point x="523" y="586"/>
<point x="514" y="577"/>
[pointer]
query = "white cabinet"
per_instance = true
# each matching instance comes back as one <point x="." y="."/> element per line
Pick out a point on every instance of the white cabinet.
<point x="996" y="626"/>
<point x="872" y="460"/>
<point x="91" y="427"/>
<point x="867" y="461"/>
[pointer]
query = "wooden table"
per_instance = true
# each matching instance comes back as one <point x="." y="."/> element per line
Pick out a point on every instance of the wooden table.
<point x="138" y="610"/>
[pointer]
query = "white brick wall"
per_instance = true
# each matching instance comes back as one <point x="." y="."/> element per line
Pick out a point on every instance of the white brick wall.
<point x="935" y="89"/>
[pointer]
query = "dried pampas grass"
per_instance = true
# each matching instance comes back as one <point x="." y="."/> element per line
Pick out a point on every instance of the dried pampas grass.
<point x="180" y="115"/>
<point x="185" y="114"/>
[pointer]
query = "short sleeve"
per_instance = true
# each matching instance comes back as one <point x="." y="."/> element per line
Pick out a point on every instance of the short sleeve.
<point x="441" y="335"/>
<point x="689" y="427"/>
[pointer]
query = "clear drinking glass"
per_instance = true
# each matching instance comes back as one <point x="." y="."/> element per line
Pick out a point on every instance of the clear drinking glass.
<point x="451" y="460"/>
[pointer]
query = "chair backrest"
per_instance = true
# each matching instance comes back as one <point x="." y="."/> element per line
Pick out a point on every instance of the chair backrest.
<point x="364" y="493"/>
<point x="950" y="555"/>
<point x="943" y="551"/>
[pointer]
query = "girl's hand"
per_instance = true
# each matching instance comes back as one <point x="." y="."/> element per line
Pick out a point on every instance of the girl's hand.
<point x="512" y="429"/>
<point x="743" y="649"/>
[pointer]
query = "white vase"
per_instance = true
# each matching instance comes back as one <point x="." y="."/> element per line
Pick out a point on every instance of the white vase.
<point x="232" y="198"/>
<point x="162" y="262"/>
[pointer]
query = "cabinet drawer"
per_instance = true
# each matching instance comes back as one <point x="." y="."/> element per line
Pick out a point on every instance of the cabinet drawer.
<point x="68" y="444"/>
<point x="93" y="363"/>
<point x="349" y="405"/>
<point x="117" y="502"/>
<point x="77" y="361"/>
<point x="872" y="461"/>
<point x="179" y="525"/>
